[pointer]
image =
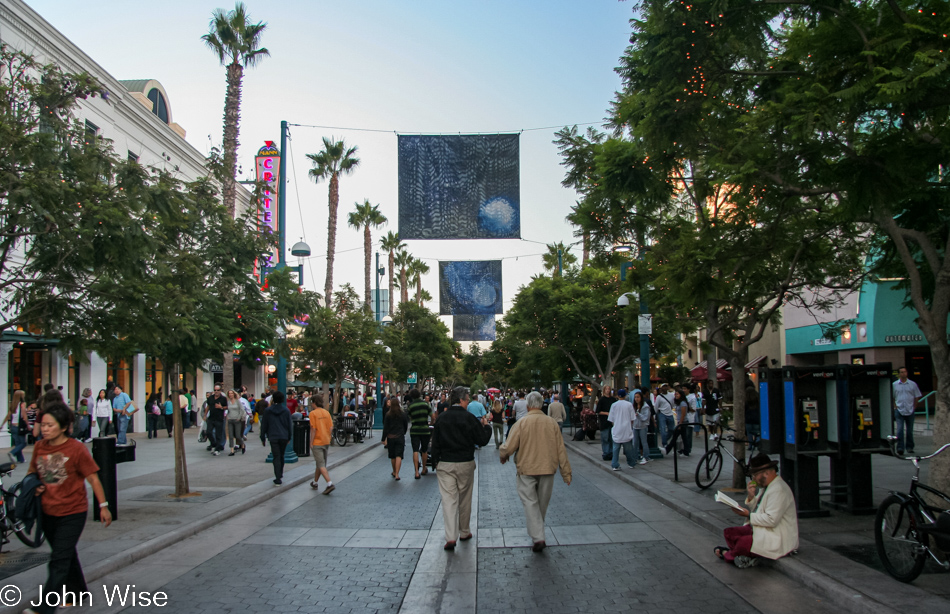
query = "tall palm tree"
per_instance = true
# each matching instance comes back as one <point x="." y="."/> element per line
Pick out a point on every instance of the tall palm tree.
<point x="418" y="268"/>
<point x="424" y="297"/>
<point x="392" y="244"/>
<point x="236" y="41"/>
<point x="403" y="259"/>
<point x="550" y="258"/>
<point x="334" y="159"/>
<point x="364" y="216"/>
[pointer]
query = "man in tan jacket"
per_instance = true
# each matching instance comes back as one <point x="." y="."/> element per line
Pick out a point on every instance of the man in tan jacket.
<point x="540" y="452"/>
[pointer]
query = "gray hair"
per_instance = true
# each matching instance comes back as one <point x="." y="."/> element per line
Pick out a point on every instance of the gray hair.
<point x="459" y="394"/>
<point x="535" y="400"/>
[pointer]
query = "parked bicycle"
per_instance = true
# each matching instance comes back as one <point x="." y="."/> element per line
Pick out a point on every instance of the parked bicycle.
<point x="8" y="522"/>
<point x="710" y="465"/>
<point x="343" y="428"/>
<point x="905" y="524"/>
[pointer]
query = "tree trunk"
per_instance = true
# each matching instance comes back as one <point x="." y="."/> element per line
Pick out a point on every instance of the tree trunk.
<point x="181" y="467"/>
<point x="392" y="263"/>
<point x="738" y="360"/>
<point x="232" y="119"/>
<point x="403" y="290"/>
<point x="227" y="371"/>
<point x="325" y="391"/>
<point x="367" y="248"/>
<point x="334" y="203"/>
<point x="339" y="397"/>
<point x="419" y="290"/>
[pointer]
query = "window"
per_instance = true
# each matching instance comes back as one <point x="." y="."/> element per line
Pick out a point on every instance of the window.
<point x="92" y="131"/>
<point x="159" y="107"/>
<point x="133" y="157"/>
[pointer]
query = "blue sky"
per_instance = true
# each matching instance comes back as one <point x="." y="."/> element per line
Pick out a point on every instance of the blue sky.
<point x="415" y="66"/>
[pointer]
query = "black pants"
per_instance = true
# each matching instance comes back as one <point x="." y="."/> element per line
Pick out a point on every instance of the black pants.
<point x="62" y="533"/>
<point x="277" y="449"/>
<point x="216" y="434"/>
<point x="151" y="424"/>
<point x="169" y="423"/>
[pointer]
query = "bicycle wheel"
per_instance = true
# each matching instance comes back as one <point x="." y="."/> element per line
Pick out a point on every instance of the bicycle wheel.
<point x="900" y="545"/>
<point x="708" y="469"/>
<point x="33" y="538"/>
<point x="339" y="437"/>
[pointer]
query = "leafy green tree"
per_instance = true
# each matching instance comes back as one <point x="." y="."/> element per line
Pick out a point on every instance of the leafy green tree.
<point x="392" y="245"/>
<point x="473" y="361"/>
<point x="333" y="160"/>
<point x="340" y="342"/>
<point x="420" y="344"/>
<point x="236" y="41"/>
<point x="366" y="215"/>
<point x="65" y="200"/>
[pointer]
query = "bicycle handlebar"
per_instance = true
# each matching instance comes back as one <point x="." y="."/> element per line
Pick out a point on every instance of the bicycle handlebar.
<point x="892" y="442"/>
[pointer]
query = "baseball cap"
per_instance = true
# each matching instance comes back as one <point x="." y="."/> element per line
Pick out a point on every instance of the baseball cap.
<point x="622" y="392"/>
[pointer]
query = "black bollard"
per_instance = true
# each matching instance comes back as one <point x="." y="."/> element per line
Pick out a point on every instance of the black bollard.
<point x="103" y="452"/>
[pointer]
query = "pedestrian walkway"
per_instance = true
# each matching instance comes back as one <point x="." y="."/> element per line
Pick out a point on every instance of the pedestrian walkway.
<point x="375" y="545"/>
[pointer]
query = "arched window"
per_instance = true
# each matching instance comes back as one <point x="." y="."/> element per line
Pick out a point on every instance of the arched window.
<point x="158" y="104"/>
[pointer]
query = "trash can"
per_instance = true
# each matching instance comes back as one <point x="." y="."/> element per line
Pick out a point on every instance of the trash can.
<point x="302" y="437"/>
<point x="107" y="455"/>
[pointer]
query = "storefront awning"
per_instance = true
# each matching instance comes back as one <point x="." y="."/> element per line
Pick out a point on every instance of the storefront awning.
<point x="699" y="373"/>
<point x="755" y="362"/>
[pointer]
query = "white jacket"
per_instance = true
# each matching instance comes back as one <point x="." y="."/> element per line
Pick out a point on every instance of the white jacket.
<point x="774" y="521"/>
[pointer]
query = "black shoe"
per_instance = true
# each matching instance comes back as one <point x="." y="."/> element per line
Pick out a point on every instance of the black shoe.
<point x="278" y="481"/>
<point x="209" y="448"/>
<point x="232" y="453"/>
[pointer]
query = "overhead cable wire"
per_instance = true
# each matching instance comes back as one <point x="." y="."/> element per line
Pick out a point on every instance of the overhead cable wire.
<point x="400" y="132"/>
<point x="303" y="227"/>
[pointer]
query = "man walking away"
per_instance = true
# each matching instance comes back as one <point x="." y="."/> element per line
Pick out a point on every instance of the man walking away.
<point x="454" y="438"/>
<point x="321" y="425"/>
<point x="621" y="418"/>
<point x="665" y="416"/>
<point x="537" y="440"/>
<point x="906" y="395"/>
<point x="556" y="410"/>
<point x="419" y="432"/>
<point x="276" y="428"/>
<point x="603" y="410"/>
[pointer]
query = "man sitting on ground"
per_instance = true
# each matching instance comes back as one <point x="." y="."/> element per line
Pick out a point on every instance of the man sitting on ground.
<point x="771" y="530"/>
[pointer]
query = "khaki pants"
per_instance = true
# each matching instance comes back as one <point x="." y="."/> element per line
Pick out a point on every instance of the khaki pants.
<point x="455" y="486"/>
<point x="535" y="493"/>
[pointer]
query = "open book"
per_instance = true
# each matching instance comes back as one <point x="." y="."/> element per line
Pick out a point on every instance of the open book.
<point x="721" y="497"/>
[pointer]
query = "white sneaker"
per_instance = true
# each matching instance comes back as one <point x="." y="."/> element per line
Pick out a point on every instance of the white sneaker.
<point x="643" y="461"/>
<point x="615" y="468"/>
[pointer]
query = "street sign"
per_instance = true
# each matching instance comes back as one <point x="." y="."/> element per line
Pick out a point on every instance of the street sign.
<point x="412" y="378"/>
<point x="645" y="323"/>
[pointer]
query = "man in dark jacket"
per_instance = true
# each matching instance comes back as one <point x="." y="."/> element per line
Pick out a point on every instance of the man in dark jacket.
<point x="454" y="438"/>
<point x="275" y="426"/>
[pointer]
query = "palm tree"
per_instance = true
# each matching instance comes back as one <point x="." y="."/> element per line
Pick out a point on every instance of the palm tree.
<point x="550" y="258"/>
<point x="392" y="244"/>
<point x="332" y="161"/>
<point x="417" y="268"/>
<point x="236" y="41"/>
<point x="403" y="259"/>
<point x="364" y="216"/>
<point x="424" y="297"/>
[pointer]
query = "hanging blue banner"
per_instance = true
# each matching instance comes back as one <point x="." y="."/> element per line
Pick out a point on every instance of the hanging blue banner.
<point x="470" y="287"/>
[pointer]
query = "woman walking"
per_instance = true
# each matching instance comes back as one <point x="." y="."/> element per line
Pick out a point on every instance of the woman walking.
<point x="62" y="464"/>
<point x="102" y="411"/>
<point x="169" y="415"/>
<point x="395" y="424"/>
<point x="153" y="413"/>
<point x="498" y="422"/>
<point x="16" y="421"/>
<point x="681" y="407"/>
<point x="236" y="418"/>
<point x="641" y="422"/>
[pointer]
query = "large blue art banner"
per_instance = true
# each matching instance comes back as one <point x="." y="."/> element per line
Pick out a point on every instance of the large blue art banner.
<point x="473" y="328"/>
<point x="470" y="287"/>
<point x="459" y="187"/>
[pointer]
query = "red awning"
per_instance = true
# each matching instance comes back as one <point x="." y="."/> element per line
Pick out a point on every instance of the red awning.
<point x="755" y="362"/>
<point x="699" y="373"/>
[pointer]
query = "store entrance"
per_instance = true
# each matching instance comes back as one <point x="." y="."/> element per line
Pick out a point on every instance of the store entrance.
<point x="919" y="365"/>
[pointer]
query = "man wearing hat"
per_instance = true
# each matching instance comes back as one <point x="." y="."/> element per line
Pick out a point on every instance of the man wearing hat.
<point x="771" y="530"/>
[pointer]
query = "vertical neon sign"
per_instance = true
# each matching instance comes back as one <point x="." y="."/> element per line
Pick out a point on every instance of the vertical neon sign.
<point x="268" y="172"/>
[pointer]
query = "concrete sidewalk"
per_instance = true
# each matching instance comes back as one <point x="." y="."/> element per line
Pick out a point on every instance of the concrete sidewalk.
<point x="149" y="520"/>
<point x="837" y="558"/>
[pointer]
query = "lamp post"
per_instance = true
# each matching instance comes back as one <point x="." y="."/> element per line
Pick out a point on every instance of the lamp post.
<point x="626" y="248"/>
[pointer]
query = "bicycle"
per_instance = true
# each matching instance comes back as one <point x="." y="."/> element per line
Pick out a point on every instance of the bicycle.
<point x="33" y="538"/>
<point x="343" y="427"/>
<point x="905" y="523"/>
<point x="710" y="465"/>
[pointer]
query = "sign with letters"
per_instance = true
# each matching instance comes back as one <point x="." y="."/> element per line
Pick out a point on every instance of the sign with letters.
<point x="267" y="165"/>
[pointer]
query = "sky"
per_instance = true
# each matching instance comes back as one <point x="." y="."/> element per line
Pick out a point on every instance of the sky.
<point x="366" y="71"/>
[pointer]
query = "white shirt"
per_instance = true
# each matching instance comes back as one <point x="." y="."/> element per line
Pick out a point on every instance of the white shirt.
<point x="521" y="409"/>
<point x="694" y="402"/>
<point x="621" y="414"/>
<point x="103" y="409"/>
<point x="664" y="403"/>
<point x="905" y="396"/>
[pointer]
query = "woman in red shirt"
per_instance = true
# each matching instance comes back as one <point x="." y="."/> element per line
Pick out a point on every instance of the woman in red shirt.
<point x="63" y="464"/>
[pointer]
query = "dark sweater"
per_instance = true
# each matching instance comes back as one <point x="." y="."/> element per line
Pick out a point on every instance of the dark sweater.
<point x="276" y="423"/>
<point x="456" y="434"/>
<point x="395" y="426"/>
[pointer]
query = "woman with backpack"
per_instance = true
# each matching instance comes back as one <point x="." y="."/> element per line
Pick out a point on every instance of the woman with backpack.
<point x="16" y="421"/>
